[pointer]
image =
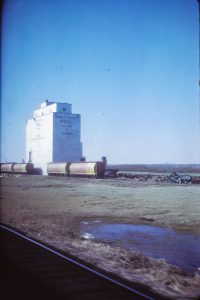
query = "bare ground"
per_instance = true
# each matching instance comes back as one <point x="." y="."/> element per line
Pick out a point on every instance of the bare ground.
<point x="51" y="210"/>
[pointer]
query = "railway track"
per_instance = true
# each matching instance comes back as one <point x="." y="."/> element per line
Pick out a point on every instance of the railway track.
<point x="32" y="270"/>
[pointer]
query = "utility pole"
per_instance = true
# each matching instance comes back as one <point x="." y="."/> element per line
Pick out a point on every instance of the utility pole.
<point x="199" y="41"/>
<point x="199" y="69"/>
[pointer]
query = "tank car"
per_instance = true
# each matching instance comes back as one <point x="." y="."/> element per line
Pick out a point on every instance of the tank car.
<point x="23" y="168"/>
<point x="87" y="169"/>
<point x="7" y="168"/>
<point x="61" y="168"/>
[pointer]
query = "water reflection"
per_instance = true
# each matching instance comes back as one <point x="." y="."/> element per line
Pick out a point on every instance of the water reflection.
<point x="176" y="248"/>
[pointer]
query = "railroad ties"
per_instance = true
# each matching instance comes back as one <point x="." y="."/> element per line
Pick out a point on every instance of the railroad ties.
<point x="33" y="271"/>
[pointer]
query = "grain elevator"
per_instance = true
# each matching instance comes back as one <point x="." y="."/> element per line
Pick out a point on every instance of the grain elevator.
<point x="53" y="135"/>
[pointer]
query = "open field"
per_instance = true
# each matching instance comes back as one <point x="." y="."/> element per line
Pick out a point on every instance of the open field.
<point x="159" y="168"/>
<point x="52" y="210"/>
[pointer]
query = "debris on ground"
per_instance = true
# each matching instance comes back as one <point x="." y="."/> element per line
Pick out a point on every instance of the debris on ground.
<point x="172" y="178"/>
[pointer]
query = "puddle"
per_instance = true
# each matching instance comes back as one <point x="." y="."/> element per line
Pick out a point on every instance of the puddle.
<point x="176" y="248"/>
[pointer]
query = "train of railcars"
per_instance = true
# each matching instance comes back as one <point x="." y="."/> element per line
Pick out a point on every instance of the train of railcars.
<point x="94" y="169"/>
<point x="18" y="168"/>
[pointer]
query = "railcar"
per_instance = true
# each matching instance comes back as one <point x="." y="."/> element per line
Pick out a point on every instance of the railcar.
<point x="23" y="168"/>
<point x="87" y="169"/>
<point x="81" y="169"/>
<point x="61" y="168"/>
<point x="17" y="168"/>
<point x="7" y="168"/>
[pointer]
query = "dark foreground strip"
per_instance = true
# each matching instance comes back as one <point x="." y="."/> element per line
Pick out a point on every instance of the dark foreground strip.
<point x="64" y="278"/>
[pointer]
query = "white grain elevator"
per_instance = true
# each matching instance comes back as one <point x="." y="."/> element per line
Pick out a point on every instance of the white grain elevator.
<point x="53" y="135"/>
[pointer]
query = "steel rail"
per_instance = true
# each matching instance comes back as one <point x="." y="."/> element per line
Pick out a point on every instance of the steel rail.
<point x="76" y="263"/>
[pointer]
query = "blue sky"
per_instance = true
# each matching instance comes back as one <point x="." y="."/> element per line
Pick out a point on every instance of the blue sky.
<point x="129" y="67"/>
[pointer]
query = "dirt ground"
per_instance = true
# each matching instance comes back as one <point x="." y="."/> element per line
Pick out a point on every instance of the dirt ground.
<point x="51" y="209"/>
